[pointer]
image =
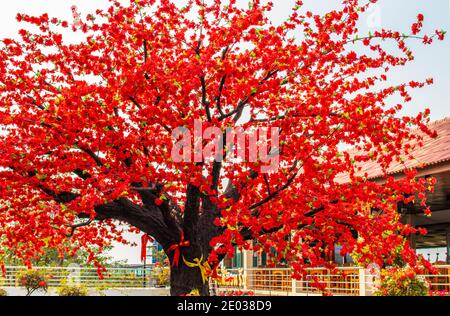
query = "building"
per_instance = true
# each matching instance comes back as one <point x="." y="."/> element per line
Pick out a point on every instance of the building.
<point x="153" y="253"/>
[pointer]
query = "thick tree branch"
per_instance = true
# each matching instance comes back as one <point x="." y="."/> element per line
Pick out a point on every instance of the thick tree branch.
<point x="145" y="52"/>
<point x="191" y="212"/>
<point x="82" y="174"/>
<point x="168" y="210"/>
<point x="61" y="197"/>
<point x="205" y="102"/>
<point x="147" y="219"/>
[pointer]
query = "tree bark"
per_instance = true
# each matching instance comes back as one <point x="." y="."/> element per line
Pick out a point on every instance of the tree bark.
<point x="184" y="280"/>
<point x="157" y="222"/>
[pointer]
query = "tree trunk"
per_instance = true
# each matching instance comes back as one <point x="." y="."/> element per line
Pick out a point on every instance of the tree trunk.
<point x="184" y="280"/>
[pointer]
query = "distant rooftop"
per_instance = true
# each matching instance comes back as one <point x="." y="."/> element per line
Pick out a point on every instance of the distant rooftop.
<point x="433" y="152"/>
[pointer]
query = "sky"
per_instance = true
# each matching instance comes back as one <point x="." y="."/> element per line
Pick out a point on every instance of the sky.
<point x="430" y="61"/>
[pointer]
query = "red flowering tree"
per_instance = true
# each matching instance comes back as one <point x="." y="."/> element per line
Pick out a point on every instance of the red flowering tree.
<point x="87" y="133"/>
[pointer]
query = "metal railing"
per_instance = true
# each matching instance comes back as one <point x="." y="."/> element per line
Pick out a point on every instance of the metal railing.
<point x="344" y="281"/>
<point x="279" y="281"/>
<point x="441" y="281"/>
<point x="89" y="277"/>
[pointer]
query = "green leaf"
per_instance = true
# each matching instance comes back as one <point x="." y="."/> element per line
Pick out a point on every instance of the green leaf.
<point x="41" y="176"/>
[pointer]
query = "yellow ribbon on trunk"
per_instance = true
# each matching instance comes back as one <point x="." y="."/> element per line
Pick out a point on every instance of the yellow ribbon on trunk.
<point x="205" y="268"/>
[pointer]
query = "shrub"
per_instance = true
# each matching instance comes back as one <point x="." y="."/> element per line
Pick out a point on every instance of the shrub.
<point x="72" y="290"/>
<point x="33" y="280"/>
<point x="401" y="282"/>
<point x="3" y="292"/>
<point x="162" y="275"/>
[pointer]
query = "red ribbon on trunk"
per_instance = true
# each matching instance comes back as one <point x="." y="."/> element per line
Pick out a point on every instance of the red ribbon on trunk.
<point x="176" y="249"/>
<point x="144" y="241"/>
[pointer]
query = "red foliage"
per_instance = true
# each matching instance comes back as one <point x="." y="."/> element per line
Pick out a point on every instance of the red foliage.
<point x="88" y="130"/>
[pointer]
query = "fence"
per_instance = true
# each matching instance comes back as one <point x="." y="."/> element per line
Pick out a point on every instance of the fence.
<point x="345" y="281"/>
<point x="348" y="281"/>
<point x="441" y="281"/>
<point x="112" y="278"/>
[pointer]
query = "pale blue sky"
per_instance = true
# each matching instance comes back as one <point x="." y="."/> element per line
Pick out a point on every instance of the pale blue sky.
<point x="431" y="61"/>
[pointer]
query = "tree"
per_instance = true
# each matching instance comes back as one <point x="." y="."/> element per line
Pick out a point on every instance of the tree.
<point x="51" y="257"/>
<point x="90" y="128"/>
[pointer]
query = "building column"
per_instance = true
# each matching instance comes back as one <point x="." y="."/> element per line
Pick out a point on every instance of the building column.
<point x="362" y="282"/>
<point x="247" y="263"/>
<point x="248" y="259"/>
<point x="447" y="237"/>
<point x="293" y="285"/>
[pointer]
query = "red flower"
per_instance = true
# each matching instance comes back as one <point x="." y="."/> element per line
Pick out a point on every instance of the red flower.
<point x="422" y="231"/>
<point x="158" y="201"/>
<point x="441" y="35"/>
<point x="415" y="28"/>
<point x="42" y="284"/>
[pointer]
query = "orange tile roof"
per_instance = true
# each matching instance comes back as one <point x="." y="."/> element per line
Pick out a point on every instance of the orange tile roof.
<point x="433" y="152"/>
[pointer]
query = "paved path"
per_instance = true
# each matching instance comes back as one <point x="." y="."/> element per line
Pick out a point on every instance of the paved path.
<point x="14" y="291"/>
